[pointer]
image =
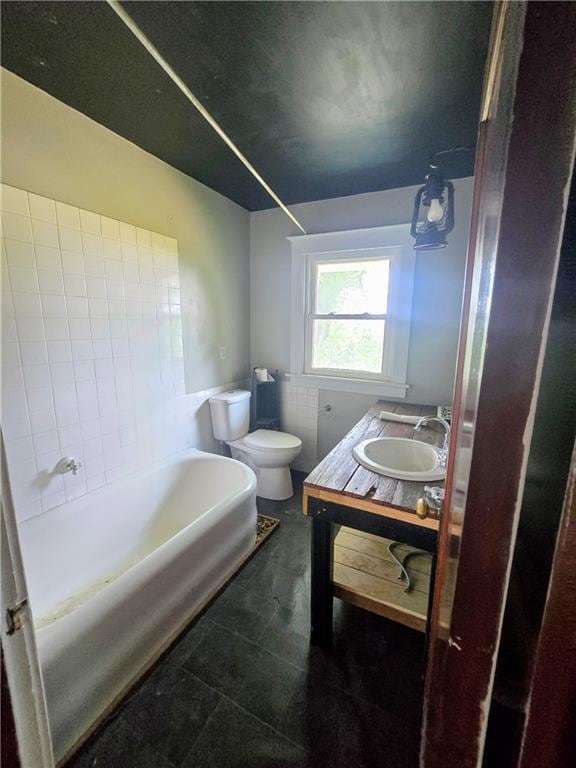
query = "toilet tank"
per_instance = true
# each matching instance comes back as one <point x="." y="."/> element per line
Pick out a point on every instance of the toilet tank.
<point x="230" y="413"/>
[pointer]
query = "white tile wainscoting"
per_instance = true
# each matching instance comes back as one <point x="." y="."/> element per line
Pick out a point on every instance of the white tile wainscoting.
<point x="92" y="360"/>
<point x="299" y="415"/>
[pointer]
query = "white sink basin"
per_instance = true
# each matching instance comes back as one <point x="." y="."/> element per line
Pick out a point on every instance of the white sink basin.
<point x="401" y="458"/>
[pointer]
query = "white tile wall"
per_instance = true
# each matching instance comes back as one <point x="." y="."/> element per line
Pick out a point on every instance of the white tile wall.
<point x="92" y="360"/>
<point x="299" y="413"/>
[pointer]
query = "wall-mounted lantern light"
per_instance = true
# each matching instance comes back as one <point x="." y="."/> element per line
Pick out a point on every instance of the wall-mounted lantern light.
<point x="433" y="216"/>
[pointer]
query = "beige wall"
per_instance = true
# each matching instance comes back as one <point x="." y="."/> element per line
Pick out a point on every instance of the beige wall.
<point x="52" y="150"/>
<point x="438" y="285"/>
<point x="231" y="262"/>
<point x="438" y="282"/>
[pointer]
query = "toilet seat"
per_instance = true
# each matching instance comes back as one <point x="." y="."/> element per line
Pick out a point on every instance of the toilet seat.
<point x="271" y="440"/>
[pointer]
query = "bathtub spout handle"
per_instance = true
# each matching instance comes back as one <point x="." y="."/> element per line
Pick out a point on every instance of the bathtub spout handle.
<point x="68" y="464"/>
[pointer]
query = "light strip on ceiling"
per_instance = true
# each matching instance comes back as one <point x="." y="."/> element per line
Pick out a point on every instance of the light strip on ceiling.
<point x="155" y="53"/>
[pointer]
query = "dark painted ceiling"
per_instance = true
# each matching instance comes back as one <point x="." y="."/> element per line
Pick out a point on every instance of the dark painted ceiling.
<point x="325" y="99"/>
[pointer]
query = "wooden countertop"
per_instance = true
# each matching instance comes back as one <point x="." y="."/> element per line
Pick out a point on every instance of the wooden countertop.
<point x="340" y="478"/>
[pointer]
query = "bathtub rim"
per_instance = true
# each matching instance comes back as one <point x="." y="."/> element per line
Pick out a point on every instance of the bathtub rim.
<point x="177" y="540"/>
<point x="103" y="490"/>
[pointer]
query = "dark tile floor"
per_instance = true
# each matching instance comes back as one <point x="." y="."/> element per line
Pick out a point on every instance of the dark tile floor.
<point x="243" y="688"/>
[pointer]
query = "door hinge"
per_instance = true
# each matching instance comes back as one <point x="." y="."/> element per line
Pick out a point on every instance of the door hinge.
<point x="15" y="616"/>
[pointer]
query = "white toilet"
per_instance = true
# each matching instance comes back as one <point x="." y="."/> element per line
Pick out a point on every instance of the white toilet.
<point x="268" y="452"/>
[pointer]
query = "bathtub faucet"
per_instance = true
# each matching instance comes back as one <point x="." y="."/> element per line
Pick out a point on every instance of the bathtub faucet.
<point x="68" y="464"/>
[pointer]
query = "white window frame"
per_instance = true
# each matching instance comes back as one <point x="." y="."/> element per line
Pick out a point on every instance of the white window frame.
<point x="313" y="261"/>
<point x="392" y="243"/>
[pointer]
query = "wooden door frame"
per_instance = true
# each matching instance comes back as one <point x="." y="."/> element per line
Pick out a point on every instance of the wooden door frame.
<point x="8" y="741"/>
<point x="551" y="692"/>
<point x="524" y="164"/>
<point x="23" y="698"/>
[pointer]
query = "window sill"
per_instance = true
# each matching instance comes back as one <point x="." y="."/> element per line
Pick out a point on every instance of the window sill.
<point x="357" y="386"/>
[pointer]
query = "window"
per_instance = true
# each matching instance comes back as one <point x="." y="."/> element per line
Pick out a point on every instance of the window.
<point x="346" y="316"/>
<point x="351" y="310"/>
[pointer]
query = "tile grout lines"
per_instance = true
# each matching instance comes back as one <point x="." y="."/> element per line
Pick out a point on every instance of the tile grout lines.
<point x="257" y="645"/>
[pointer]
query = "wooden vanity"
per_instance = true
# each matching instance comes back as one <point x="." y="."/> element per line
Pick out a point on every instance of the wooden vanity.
<point x="371" y="510"/>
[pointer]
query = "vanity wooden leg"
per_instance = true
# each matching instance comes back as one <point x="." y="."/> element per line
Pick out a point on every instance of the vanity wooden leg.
<point x="322" y="590"/>
<point x="430" y="601"/>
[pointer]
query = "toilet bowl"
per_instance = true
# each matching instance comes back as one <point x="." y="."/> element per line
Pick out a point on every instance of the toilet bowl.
<point x="268" y="452"/>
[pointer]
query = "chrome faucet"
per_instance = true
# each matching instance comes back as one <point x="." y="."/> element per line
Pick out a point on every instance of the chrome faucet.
<point x="443" y="452"/>
<point x="68" y="464"/>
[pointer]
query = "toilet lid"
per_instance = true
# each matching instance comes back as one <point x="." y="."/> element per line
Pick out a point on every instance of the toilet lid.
<point x="268" y="439"/>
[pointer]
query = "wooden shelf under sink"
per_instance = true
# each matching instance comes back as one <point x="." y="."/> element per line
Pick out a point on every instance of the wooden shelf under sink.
<point x="365" y="575"/>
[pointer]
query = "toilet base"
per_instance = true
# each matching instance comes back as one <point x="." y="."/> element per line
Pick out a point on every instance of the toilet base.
<point x="274" y="483"/>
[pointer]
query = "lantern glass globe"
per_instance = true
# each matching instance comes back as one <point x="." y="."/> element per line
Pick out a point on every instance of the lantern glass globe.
<point x="435" y="211"/>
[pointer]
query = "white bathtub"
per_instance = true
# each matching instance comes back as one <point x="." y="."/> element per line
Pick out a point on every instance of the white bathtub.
<point x="114" y="575"/>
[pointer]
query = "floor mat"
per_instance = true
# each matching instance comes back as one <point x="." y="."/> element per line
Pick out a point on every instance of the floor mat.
<point x="264" y="528"/>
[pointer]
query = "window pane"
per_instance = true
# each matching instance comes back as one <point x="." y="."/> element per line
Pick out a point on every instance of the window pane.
<point x="352" y="287"/>
<point x="350" y="345"/>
